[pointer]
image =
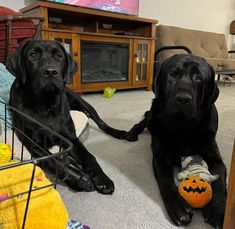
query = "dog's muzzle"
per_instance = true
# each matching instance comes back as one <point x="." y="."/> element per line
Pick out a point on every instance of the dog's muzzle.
<point x="50" y="73"/>
<point x="183" y="99"/>
<point x="181" y="104"/>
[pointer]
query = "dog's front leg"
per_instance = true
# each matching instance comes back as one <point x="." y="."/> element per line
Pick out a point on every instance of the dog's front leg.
<point x="102" y="182"/>
<point x="177" y="208"/>
<point x="214" y="212"/>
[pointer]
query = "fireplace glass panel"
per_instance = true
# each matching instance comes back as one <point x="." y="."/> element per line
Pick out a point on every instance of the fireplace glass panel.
<point x="104" y="62"/>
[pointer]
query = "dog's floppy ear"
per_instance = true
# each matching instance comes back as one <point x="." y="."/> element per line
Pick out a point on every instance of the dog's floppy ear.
<point x="70" y="65"/>
<point x="213" y="90"/>
<point x="156" y="80"/>
<point x="16" y="64"/>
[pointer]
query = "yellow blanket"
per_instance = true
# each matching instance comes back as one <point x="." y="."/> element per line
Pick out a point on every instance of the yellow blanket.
<point x="46" y="208"/>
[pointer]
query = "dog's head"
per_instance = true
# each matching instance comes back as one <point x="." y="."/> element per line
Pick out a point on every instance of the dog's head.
<point x="42" y="66"/>
<point x="185" y="84"/>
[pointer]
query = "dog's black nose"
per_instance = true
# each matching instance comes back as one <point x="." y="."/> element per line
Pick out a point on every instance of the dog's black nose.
<point x="50" y="72"/>
<point x="183" y="99"/>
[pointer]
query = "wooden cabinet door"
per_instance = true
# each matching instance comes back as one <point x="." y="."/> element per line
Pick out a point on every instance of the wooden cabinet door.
<point x="71" y="44"/>
<point x="143" y="63"/>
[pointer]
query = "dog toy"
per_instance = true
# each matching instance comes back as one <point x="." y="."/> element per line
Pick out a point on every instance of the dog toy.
<point x="109" y="92"/>
<point x="194" y="181"/>
<point x="73" y="224"/>
<point x="5" y="153"/>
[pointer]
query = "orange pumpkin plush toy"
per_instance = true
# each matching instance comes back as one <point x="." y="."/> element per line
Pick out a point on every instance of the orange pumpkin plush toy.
<point x="194" y="181"/>
<point x="196" y="191"/>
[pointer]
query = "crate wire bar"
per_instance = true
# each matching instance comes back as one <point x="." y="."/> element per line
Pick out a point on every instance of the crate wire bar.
<point x="58" y="157"/>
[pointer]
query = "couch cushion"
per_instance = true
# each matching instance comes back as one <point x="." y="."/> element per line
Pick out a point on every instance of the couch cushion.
<point x="204" y="44"/>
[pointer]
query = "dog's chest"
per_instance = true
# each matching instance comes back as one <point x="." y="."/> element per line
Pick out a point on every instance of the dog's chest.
<point x="179" y="142"/>
<point x="181" y="145"/>
<point x="55" y="122"/>
<point x="53" y="118"/>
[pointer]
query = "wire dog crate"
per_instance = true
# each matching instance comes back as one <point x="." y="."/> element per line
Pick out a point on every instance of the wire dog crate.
<point x="9" y="136"/>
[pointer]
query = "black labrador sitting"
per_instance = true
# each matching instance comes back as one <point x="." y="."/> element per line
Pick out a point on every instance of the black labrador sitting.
<point x="42" y="69"/>
<point x="183" y="121"/>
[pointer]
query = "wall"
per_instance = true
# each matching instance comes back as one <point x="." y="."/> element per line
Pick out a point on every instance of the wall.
<point x="13" y="4"/>
<point x="207" y="15"/>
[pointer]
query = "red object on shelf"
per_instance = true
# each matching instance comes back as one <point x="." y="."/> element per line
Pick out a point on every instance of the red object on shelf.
<point x="21" y="30"/>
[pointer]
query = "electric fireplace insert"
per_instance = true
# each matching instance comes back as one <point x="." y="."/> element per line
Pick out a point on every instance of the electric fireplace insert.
<point x="104" y="62"/>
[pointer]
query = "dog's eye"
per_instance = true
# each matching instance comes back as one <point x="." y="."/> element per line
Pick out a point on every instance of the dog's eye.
<point x="58" y="56"/>
<point x="174" y="74"/>
<point x="197" y="77"/>
<point x="34" y="55"/>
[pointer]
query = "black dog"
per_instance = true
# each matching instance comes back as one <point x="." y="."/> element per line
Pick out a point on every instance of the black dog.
<point x="41" y="69"/>
<point x="183" y="121"/>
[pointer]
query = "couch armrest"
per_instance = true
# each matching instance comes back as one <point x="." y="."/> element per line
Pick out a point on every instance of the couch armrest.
<point x="231" y="51"/>
<point x="188" y="50"/>
<point x="231" y="54"/>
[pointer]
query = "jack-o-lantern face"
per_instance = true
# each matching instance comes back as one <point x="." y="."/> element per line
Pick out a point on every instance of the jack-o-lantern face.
<point x="196" y="191"/>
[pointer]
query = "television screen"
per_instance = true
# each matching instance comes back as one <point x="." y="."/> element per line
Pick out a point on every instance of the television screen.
<point x="119" y="6"/>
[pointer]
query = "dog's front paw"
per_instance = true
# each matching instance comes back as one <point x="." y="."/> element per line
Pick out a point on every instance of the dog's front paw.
<point x="179" y="211"/>
<point x="131" y="137"/>
<point x="81" y="184"/>
<point x="213" y="213"/>
<point x="103" y="184"/>
<point x="119" y="134"/>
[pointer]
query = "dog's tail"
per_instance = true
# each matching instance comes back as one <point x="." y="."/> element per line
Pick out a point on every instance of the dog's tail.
<point x="133" y="133"/>
<point x="77" y="103"/>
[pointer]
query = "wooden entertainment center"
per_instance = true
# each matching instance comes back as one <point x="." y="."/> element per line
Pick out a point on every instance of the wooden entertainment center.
<point x="123" y="44"/>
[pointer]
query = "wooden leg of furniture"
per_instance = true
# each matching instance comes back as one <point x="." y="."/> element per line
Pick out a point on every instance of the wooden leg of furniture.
<point x="229" y="219"/>
<point x="149" y="88"/>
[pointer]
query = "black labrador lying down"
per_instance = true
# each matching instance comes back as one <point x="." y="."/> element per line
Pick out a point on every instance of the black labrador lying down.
<point x="183" y="121"/>
<point x="41" y="69"/>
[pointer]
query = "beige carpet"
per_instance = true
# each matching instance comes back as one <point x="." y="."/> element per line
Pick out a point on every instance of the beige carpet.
<point x="136" y="202"/>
